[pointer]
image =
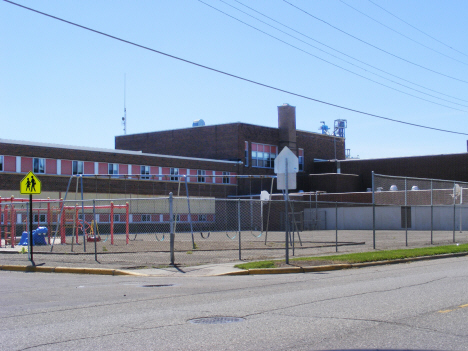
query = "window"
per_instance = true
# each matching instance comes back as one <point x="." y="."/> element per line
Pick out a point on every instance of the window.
<point x="201" y="176"/>
<point x="202" y="218"/>
<point x="174" y="174"/>
<point x="38" y="165"/>
<point x="225" y="179"/>
<point x="77" y="167"/>
<point x="176" y="218"/>
<point x="1" y="220"/>
<point x="116" y="217"/>
<point x="40" y="217"/>
<point x="146" y="218"/>
<point x="263" y="155"/>
<point x="246" y="154"/>
<point x="145" y="171"/>
<point x="113" y="168"/>
<point x="301" y="159"/>
<point x="1" y="163"/>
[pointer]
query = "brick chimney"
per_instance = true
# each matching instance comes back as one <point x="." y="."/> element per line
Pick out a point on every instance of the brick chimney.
<point x="287" y="127"/>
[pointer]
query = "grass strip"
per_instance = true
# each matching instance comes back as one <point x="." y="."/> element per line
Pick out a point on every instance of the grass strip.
<point x="361" y="257"/>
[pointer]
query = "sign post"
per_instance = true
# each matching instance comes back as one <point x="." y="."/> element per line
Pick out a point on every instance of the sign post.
<point x="30" y="185"/>
<point x="286" y="167"/>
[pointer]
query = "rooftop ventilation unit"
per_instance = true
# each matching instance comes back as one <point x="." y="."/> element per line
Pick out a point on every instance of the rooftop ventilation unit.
<point x="198" y="123"/>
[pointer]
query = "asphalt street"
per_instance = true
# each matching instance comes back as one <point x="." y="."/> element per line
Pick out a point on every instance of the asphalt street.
<point x="414" y="306"/>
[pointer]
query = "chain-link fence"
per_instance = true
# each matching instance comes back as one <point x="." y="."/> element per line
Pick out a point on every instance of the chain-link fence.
<point x="420" y="208"/>
<point x="157" y="232"/>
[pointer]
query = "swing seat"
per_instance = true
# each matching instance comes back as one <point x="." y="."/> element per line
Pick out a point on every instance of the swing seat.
<point x="92" y="238"/>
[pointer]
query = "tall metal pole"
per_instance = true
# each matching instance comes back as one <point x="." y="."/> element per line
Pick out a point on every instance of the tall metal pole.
<point x="171" y="230"/>
<point x="82" y="215"/>
<point x="373" y="209"/>
<point x="461" y="202"/>
<point x="94" y="230"/>
<point x="406" y="213"/>
<point x="454" y="210"/>
<point x="189" y="213"/>
<point x="286" y="214"/>
<point x="239" y="227"/>
<point x="432" y="214"/>
<point x="336" y="226"/>
<point x="316" y="211"/>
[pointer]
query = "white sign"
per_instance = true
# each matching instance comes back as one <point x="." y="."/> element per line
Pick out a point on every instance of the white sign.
<point x="280" y="161"/>
<point x="281" y="181"/>
<point x="280" y="169"/>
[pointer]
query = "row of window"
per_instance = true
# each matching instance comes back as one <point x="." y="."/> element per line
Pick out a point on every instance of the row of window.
<point x="263" y="156"/>
<point x="38" y="166"/>
<point x="120" y="218"/>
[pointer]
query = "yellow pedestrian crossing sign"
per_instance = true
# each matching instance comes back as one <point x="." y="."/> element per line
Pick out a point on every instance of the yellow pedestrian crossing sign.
<point x="30" y="184"/>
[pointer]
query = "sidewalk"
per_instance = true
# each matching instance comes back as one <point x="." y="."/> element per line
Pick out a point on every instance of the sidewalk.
<point x="12" y="260"/>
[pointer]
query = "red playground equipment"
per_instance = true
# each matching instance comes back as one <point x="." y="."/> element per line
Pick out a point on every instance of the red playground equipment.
<point x="89" y="221"/>
<point x="70" y="216"/>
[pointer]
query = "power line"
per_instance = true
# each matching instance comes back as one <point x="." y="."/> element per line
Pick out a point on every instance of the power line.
<point x="339" y="58"/>
<point x="233" y="75"/>
<point x="342" y="53"/>
<point x="419" y="30"/>
<point x="403" y="35"/>
<point x="375" y="47"/>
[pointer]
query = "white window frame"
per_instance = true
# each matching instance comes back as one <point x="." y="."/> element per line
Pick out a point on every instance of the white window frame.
<point x="202" y="218"/>
<point x="39" y="216"/>
<point x="114" y="170"/>
<point x="201" y="176"/>
<point x="77" y="167"/>
<point x="226" y="180"/>
<point x="145" y="172"/>
<point x="176" y="217"/>
<point x="146" y="217"/>
<point x="174" y="172"/>
<point x="116" y="217"/>
<point x="39" y="165"/>
<point x="267" y="158"/>
<point x="301" y="160"/>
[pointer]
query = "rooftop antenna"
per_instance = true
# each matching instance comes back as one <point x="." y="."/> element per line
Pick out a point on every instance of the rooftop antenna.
<point x="124" y="118"/>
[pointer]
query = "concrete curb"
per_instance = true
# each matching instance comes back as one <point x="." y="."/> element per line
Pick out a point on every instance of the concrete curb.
<point x="70" y="270"/>
<point x="334" y="267"/>
<point x="255" y="271"/>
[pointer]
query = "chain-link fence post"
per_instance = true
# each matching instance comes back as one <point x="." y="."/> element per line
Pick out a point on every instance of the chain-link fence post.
<point x="406" y="211"/>
<point x="454" y="209"/>
<point x="239" y="227"/>
<point x="82" y="214"/>
<point x="336" y="226"/>
<point x="171" y="230"/>
<point x="94" y="231"/>
<point x="286" y="216"/>
<point x="373" y="209"/>
<point x="432" y="213"/>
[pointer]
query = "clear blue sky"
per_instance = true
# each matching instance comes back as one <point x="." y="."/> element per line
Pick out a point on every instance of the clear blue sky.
<point x="65" y="85"/>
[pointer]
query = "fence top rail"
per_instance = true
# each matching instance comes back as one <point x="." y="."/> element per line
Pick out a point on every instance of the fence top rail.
<point x="22" y="199"/>
<point x="149" y="176"/>
<point x="415" y="178"/>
